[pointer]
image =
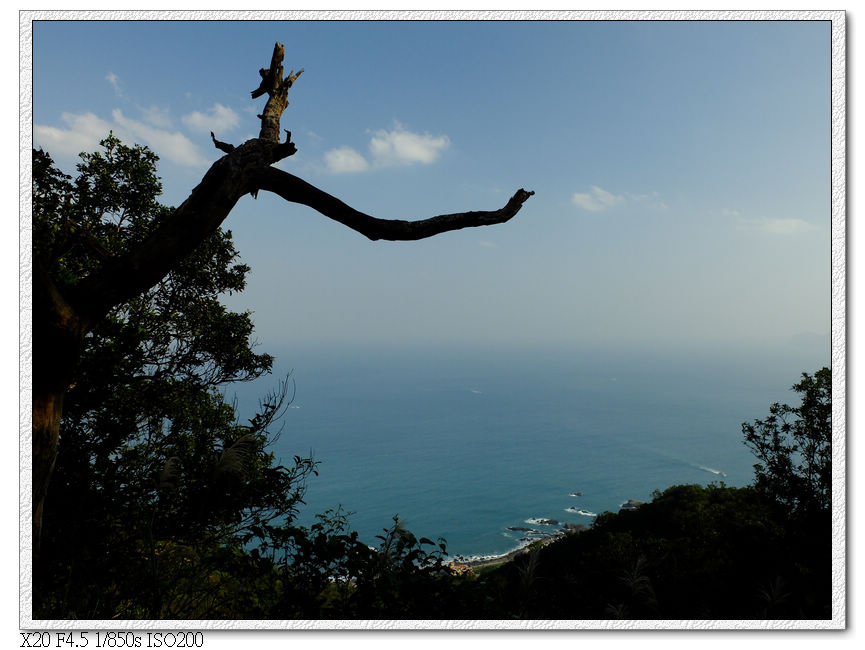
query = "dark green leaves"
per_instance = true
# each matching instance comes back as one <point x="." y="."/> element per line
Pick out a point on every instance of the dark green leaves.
<point x="794" y="447"/>
<point x="154" y="473"/>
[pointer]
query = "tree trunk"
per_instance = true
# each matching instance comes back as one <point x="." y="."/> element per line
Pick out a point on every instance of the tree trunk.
<point x="47" y="409"/>
<point x="58" y="334"/>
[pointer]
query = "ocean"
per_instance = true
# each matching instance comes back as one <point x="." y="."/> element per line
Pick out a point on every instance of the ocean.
<point x="474" y="443"/>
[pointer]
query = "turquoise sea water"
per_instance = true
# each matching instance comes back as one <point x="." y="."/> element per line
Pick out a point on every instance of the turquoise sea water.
<point x="464" y="442"/>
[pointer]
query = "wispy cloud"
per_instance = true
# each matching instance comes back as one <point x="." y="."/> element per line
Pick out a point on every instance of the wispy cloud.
<point x="597" y="200"/>
<point x="652" y="200"/>
<point x="217" y="118"/>
<point x="114" y="80"/>
<point x="487" y="244"/>
<point x="84" y="134"/>
<point x="780" y="226"/>
<point x="170" y="145"/>
<point x="154" y="128"/>
<point x="157" y="116"/>
<point x="397" y="147"/>
<point x="86" y="130"/>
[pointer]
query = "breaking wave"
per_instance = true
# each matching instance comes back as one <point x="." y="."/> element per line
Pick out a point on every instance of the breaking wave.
<point x="584" y="513"/>
<point x="542" y="521"/>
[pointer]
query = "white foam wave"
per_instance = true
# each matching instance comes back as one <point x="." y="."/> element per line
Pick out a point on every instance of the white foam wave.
<point x="541" y="521"/>
<point x="521" y="544"/>
<point x="584" y="513"/>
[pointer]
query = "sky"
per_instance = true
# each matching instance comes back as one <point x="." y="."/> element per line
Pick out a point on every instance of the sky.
<point x="681" y="170"/>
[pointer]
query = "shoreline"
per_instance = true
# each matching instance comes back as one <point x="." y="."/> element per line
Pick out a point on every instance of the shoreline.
<point x="479" y="562"/>
<point x="546" y="538"/>
<point x="498" y="559"/>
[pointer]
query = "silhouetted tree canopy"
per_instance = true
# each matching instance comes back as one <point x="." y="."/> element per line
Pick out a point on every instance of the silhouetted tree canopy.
<point x="794" y="446"/>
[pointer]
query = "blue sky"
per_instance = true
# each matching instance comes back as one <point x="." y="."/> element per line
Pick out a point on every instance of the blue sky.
<point x="681" y="170"/>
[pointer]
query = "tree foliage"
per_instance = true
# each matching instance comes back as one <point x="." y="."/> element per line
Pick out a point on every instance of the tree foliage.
<point x="152" y="459"/>
<point x="794" y="446"/>
<point x="693" y="552"/>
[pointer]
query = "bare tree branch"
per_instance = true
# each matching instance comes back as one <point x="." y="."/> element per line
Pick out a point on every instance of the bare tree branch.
<point x="222" y="146"/>
<point x="296" y="190"/>
<point x="192" y="222"/>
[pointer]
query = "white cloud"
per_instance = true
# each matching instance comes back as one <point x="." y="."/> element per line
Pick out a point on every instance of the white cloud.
<point x="84" y="134"/>
<point x="218" y="118"/>
<point x="388" y="149"/>
<point x="173" y="146"/>
<point x="598" y="200"/>
<point x="790" y="226"/>
<point x="487" y="244"/>
<point x="86" y="130"/>
<point x="401" y="147"/>
<point x="345" y="160"/>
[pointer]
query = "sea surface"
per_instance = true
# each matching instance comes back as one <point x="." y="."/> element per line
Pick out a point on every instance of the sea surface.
<point x="469" y="442"/>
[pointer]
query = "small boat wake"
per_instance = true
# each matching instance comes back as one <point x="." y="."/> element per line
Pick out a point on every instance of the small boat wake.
<point x="713" y="471"/>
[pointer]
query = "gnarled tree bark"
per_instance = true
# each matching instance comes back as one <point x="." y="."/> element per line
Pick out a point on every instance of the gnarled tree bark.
<point x="62" y="315"/>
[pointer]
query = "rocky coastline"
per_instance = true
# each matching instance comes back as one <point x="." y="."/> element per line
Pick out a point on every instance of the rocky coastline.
<point x="533" y="536"/>
<point x="460" y="564"/>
